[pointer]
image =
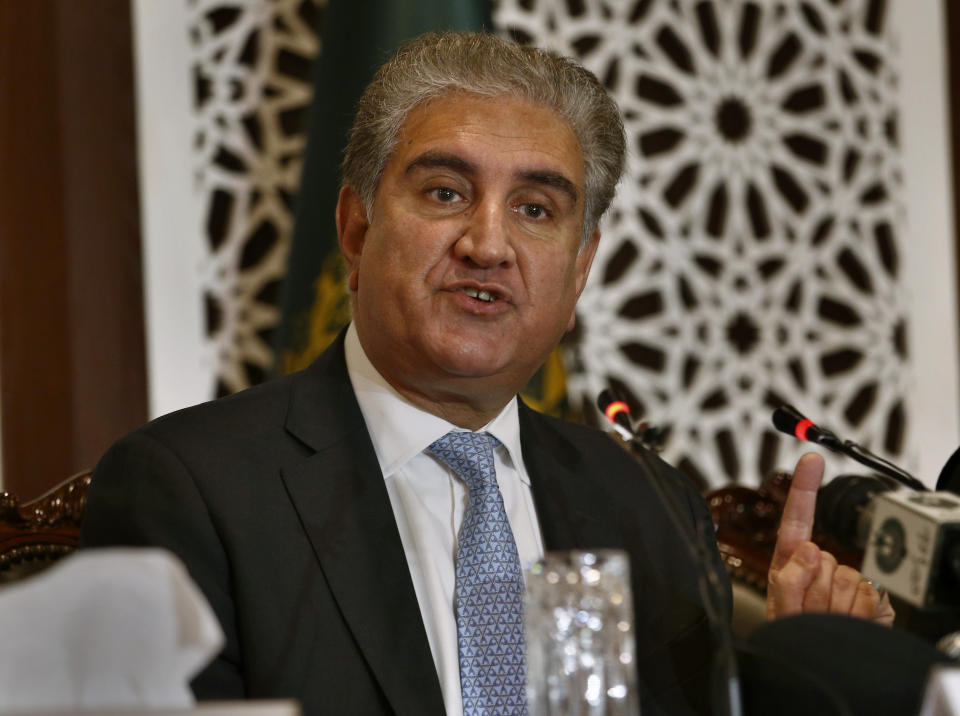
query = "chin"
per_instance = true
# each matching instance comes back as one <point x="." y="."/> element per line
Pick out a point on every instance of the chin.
<point x="507" y="369"/>
<point x="470" y="362"/>
<point x="470" y="368"/>
<point x="472" y="356"/>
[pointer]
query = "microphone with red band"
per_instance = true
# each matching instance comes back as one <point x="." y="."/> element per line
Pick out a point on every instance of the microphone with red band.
<point x="614" y="409"/>
<point x="791" y="421"/>
<point x="801" y="430"/>
<point x="712" y="585"/>
<point x="618" y="413"/>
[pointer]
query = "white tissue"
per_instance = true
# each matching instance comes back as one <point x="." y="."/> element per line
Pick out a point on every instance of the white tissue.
<point x="108" y="628"/>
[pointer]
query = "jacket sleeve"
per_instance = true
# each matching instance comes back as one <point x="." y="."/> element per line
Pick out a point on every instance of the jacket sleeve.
<point x="142" y="494"/>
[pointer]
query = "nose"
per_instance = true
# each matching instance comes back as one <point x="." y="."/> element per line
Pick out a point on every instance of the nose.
<point x="485" y="242"/>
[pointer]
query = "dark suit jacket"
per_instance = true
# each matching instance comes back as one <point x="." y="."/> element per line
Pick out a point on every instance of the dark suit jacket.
<point x="274" y="500"/>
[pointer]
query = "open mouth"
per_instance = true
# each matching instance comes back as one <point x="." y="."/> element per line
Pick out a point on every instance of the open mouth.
<point x="481" y="295"/>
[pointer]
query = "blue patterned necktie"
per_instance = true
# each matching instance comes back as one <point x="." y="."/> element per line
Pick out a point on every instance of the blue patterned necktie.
<point x="489" y="588"/>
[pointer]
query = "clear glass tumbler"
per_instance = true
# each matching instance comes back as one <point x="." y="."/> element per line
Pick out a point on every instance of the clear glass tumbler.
<point x="580" y="638"/>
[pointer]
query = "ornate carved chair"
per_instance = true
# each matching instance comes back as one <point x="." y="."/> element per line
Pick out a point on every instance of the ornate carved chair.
<point x="39" y="532"/>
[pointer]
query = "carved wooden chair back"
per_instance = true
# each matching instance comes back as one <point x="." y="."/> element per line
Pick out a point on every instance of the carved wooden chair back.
<point x="35" y="534"/>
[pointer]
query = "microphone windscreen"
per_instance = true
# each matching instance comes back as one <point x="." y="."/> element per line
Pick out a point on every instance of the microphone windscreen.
<point x="868" y="668"/>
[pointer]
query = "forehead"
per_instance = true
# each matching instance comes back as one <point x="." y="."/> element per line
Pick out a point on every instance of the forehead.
<point x="491" y="132"/>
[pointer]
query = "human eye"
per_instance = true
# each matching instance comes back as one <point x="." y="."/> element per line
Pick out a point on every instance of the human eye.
<point x="534" y="211"/>
<point x="444" y="194"/>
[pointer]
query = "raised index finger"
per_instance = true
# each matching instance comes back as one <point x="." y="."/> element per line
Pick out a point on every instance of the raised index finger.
<point x="796" y="523"/>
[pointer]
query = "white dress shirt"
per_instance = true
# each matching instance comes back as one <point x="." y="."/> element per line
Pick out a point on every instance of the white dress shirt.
<point x="429" y="502"/>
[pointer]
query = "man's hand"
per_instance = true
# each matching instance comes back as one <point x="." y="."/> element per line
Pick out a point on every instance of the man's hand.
<point x="804" y="578"/>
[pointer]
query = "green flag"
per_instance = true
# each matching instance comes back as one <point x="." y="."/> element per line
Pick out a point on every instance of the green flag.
<point x="356" y="38"/>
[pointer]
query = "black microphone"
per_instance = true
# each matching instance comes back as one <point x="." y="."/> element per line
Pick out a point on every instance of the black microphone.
<point x="791" y="421"/>
<point x="617" y="412"/>
<point x="911" y="538"/>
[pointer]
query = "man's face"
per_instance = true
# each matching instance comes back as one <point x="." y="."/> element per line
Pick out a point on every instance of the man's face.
<point x="466" y="273"/>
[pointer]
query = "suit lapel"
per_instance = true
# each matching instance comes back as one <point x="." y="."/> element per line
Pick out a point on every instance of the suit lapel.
<point x="574" y="514"/>
<point x="343" y="504"/>
<point x="571" y="515"/>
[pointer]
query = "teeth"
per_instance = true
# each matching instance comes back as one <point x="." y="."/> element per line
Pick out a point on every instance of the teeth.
<point x="480" y="295"/>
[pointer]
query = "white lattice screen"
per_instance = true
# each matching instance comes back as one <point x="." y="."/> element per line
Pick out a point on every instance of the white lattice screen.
<point x="756" y="250"/>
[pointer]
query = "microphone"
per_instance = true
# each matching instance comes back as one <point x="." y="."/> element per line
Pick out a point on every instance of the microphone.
<point x="727" y="702"/>
<point x="912" y="543"/>
<point x="791" y="421"/>
<point x="617" y="412"/>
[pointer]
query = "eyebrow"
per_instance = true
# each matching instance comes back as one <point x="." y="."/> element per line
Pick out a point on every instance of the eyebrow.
<point x="556" y="180"/>
<point x="544" y="177"/>
<point x="441" y="160"/>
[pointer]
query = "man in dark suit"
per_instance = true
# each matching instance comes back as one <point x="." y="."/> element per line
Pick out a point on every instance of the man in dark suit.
<point x="314" y="512"/>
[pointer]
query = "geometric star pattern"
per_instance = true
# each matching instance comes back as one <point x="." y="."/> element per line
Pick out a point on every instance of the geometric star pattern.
<point x="251" y="72"/>
<point x="489" y="583"/>
<point x="752" y="254"/>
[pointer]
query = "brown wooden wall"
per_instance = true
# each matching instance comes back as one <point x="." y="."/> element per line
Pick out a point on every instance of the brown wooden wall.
<point x="72" y="365"/>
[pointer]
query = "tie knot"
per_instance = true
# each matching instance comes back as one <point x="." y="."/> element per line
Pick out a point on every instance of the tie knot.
<point x="469" y="455"/>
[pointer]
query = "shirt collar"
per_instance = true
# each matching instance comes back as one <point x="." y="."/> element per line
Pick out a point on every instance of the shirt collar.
<point x="400" y="430"/>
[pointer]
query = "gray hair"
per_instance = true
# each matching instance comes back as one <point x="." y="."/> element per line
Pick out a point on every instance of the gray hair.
<point x="486" y="65"/>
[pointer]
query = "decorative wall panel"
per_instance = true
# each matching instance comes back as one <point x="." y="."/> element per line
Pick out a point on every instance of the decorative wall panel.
<point x="751" y="256"/>
<point x="252" y="89"/>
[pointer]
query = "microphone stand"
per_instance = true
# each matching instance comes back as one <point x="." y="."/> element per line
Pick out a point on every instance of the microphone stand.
<point x="786" y="418"/>
<point x="708" y="581"/>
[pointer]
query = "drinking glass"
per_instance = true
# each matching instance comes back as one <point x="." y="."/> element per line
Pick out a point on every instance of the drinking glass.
<point x="580" y="638"/>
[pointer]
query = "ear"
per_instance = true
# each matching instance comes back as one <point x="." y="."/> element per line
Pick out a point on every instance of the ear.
<point x="352" y="227"/>
<point x="584" y="261"/>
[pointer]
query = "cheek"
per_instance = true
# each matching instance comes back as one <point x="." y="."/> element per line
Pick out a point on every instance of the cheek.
<point x="552" y="273"/>
<point x="405" y="245"/>
<point x="393" y="272"/>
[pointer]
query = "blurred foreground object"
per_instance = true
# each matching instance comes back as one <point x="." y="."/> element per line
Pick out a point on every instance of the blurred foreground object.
<point x="829" y="664"/>
<point x="105" y="629"/>
<point x="580" y="640"/>
<point x="942" y="696"/>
